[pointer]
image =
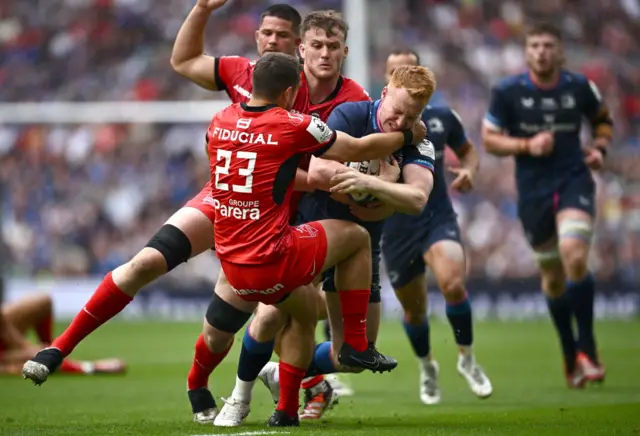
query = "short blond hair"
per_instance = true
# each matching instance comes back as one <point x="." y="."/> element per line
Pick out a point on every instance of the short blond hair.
<point x="332" y="22"/>
<point x="420" y="82"/>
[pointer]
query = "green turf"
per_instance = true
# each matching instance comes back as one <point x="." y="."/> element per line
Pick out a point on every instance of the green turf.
<point x="522" y="359"/>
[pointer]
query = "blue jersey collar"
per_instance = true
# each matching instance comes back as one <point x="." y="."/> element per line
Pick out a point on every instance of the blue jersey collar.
<point x="374" y="116"/>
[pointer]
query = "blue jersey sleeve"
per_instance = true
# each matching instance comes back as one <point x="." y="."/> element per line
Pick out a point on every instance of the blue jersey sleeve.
<point x="457" y="136"/>
<point x="497" y="115"/>
<point x="594" y="108"/>
<point x="350" y="118"/>
<point x="423" y="154"/>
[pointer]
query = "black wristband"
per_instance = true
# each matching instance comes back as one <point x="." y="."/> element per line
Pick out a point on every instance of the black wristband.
<point x="408" y="137"/>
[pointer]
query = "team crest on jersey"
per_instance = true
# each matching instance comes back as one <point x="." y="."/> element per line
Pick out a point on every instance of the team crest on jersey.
<point x="435" y="125"/>
<point x="319" y="130"/>
<point x="567" y="101"/>
<point x="295" y="117"/>
<point x="427" y="149"/>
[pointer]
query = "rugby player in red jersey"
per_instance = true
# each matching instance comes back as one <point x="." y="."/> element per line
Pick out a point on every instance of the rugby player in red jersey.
<point x="189" y="231"/>
<point x="254" y="151"/>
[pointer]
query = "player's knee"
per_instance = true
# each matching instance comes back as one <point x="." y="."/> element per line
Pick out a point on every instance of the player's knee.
<point x="145" y="267"/>
<point x="172" y="244"/>
<point x="415" y="315"/>
<point x="217" y="341"/>
<point x="574" y="241"/>
<point x="575" y="257"/>
<point x="358" y="236"/>
<point x="224" y="317"/>
<point x="267" y="323"/>
<point x="553" y="282"/>
<point x="44" y="302"/>
<point x="453" y="288"/>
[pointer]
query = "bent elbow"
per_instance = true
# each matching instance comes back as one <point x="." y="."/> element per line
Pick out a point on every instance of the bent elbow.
<point x="175" y="63"/>
<point x="418" y="204"/>
<point x="180" y="66"/>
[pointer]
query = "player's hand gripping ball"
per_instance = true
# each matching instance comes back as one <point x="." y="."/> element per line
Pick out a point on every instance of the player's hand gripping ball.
<point x="355" y="186"/>
<point x="371" y="168"/>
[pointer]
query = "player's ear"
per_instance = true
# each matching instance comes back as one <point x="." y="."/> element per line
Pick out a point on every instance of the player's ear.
<point x="290" y="95"/>
<point x="257" y="35"/>
<point x="346" y="51"/>
<point x="383" y="94"/>
<point x="301" y="50"/>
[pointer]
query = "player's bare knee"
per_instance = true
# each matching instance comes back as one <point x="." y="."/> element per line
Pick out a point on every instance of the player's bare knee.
<point x="574" y="241"/>
<point x="267" y="323"/>
<point x="453" y="288"/>
<point x="553" y="281"/>
<point x="575" y="257"/>
<point x="44" y="302"/>
<point x="358" y="236"/>
<point x="415" y="315"/>
<point x="217" y="340"/>
<point x="145" y="267"/>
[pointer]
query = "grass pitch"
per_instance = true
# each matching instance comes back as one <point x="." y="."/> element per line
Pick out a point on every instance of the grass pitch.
<point x="522" y="359"/>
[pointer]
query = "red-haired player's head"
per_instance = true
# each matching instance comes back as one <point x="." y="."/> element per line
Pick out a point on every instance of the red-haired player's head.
<point x="279" y="30"/>
<point x="404" y="98"/>
<point x="324" y="44"/>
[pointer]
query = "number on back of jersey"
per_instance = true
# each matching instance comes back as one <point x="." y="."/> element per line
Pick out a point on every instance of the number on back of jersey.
<point x="247" y="172"/>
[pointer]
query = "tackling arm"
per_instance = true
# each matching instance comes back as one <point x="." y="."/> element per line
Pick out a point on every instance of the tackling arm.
<point x="376" y="146"/>
<point x="188" y="58"/>
<point x="302" y="181"/>
<point x="321" y="171"/>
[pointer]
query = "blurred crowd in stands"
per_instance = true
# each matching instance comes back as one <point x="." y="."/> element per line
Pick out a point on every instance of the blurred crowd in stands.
<point x="81" y="199"/>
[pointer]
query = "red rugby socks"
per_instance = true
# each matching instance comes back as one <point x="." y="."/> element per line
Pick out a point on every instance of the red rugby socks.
<point x="105" y="303"/>
<point x="354" y="308"/>
<point x="204" y="362"/>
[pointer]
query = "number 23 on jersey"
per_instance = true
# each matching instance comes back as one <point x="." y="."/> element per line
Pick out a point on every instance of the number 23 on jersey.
<point x="245" y="174"/>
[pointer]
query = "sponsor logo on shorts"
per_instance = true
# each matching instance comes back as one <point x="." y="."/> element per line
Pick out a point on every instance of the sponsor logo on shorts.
<point x="311" y="232"/>
<point x="268" y="291"/>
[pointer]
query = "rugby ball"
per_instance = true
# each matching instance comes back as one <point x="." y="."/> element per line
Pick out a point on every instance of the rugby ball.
<point x="370" y="167"/>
